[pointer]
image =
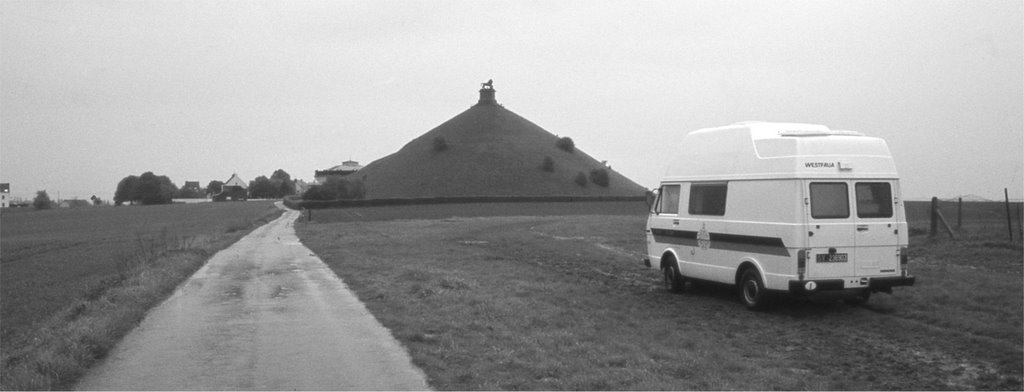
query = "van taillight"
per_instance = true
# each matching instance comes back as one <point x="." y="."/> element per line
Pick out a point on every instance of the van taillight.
<point x="904" y="258"/>
<point x="801" y="263"/>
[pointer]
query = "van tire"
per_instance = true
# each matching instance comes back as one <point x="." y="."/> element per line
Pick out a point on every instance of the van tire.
<point x="752" y="291"/>
<point x="858" y="300"/>
<point x="674" y="281"/>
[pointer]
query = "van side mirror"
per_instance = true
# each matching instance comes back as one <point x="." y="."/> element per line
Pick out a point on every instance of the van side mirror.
<point x="652" y="197"/>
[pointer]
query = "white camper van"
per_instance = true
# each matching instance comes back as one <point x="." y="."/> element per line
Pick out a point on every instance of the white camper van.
<point x="780" y="207"/>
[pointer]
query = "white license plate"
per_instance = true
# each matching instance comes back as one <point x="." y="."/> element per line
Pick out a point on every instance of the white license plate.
<point x="831" y="258"/>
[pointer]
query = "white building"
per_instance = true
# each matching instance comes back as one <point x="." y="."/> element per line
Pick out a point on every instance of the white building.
<point x="5" y="195"/>
<point x="344" y="169"/>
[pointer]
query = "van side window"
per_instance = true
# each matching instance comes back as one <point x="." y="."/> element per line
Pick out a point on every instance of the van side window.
<point x="829" y="200"/>
<point x="874" y="200"/>
<point x="708" y="199"/>
<point x="669" y="200"/>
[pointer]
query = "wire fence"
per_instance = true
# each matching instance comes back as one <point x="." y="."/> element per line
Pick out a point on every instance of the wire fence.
<point x="954" y="217"/>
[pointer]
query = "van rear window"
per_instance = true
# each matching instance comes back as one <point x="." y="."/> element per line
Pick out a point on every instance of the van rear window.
<point x="829" y="200"/>
<point x="874" y="200"/>
<point x="708" y="199"/>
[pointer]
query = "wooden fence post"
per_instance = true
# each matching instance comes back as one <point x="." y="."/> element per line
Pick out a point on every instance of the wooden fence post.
<point x="959" y="213"/>
<point x="935" y="217"/>
<point x="1009" y="218"/>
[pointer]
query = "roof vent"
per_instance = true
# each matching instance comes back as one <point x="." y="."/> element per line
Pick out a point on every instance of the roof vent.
<point x="819" y="132"/>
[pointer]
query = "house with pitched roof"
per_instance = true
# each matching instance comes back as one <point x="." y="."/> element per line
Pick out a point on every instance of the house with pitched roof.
<point x="234" y="189"/>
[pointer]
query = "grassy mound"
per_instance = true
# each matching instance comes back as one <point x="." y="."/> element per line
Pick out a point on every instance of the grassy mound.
<point x="489" y="151"/>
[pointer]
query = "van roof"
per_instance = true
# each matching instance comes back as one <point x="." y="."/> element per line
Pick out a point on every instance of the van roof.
<point x="771" y="150"/>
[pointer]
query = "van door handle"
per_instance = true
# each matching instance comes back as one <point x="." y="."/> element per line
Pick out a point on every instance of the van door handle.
<point x="862" y="227"/>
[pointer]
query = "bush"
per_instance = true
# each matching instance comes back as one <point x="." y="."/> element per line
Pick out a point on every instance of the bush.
<point x="566" y="144"/>
<point x="263" y="188"/>
<point x="214" y="187"/>
<point x="42" y="201"/>
<point x="147" y="189"/>
<point x="153" y="189"/>
<point x="599" y="177"/>
<point x="581" y="179"/>
<point x="336" y="188"/>
<point x="126" y="190"/>
<point x="548" y="165"/>
<point x="279" y="185"/>
<point x="440" y="144"/>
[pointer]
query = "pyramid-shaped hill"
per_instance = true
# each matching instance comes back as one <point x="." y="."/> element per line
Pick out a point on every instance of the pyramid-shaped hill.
<point x="488" y="151"/>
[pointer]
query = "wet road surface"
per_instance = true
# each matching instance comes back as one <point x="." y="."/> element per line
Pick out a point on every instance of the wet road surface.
<point x="263" y="314"/>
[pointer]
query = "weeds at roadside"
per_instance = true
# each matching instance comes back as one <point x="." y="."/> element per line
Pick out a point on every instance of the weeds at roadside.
<point x="147" y="249"/>
<point x="237" y="225"/>
<point x="62" y="347"/>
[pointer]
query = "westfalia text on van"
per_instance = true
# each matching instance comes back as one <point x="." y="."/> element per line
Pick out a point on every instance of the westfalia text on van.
<point x="781" y="207"/>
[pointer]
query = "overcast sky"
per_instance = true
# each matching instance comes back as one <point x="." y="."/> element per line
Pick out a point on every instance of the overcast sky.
<point x="93" y="91"/>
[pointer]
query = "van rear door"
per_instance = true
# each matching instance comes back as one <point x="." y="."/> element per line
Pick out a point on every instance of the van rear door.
<point x="877" y="236"/>
<point x="831" y="231"/>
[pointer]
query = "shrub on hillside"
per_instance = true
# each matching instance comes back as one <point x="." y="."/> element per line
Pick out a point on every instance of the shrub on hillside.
<point x="548" y="165"/>
<point x="336" y="188"/>
<point x="440" y="144"/>
<point x="42" y="201"/>
<point x="581" y="179"/>
<point x="599" y="177"/>
<point x="566" y="144"/>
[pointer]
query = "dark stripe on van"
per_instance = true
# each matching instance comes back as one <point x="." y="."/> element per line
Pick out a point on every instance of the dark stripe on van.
<point x="677" y="237"/>
<point x="734" y="242"/>
<point x="749" y="244"/>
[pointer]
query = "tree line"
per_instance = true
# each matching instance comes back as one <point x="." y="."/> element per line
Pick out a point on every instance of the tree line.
<point x="149" y="188"/>
<point x="279" y="185"/>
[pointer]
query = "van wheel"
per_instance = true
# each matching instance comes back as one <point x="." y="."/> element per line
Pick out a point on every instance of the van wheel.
<point x="752" y="291"/>
<point x="674" y="281"/>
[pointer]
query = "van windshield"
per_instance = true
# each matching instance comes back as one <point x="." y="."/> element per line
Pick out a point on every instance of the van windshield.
<point x="829" y="200"/>
<point x="669" y="199"/>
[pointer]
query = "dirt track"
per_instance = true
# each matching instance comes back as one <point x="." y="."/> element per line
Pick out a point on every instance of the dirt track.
<point x="264" y="314"/>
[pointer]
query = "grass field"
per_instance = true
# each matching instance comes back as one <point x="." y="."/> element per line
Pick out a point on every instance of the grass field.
<point x="486" y="299"/>
<point x="75" y="280"/>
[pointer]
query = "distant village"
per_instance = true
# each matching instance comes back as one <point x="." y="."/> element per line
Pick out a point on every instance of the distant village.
<point x="235" y="188"/>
